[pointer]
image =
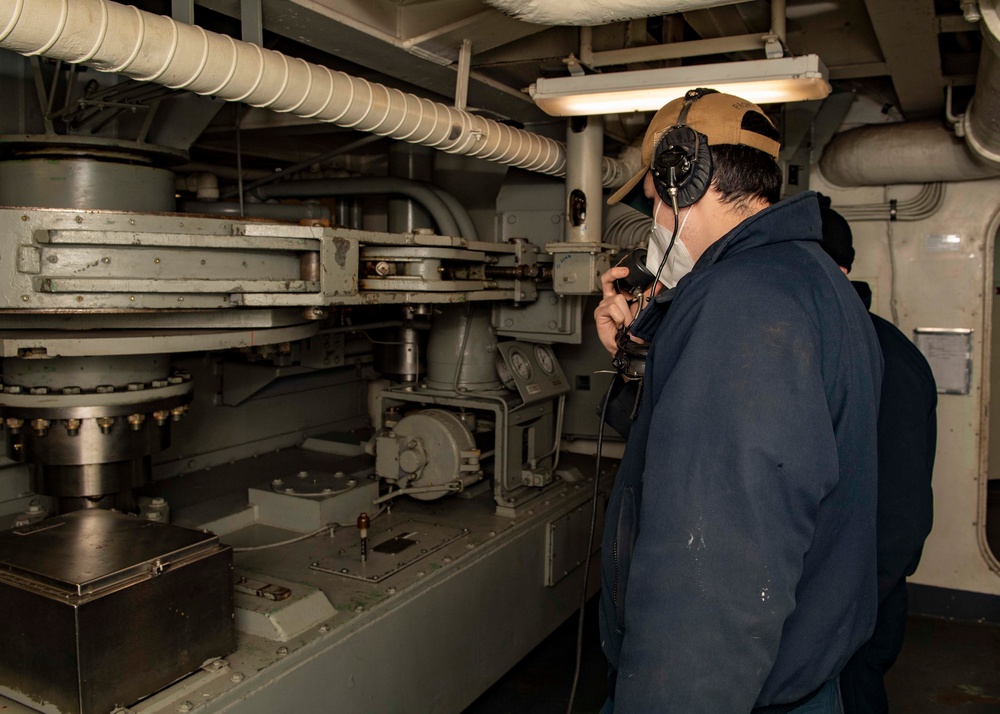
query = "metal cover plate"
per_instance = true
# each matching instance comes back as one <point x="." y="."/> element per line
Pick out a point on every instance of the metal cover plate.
<point x="106" y="548"/>
<point x="388" y="553"/>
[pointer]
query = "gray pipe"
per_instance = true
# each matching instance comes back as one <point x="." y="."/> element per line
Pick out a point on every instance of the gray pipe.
<point x="911" y="152"/>
<point x="277" y="211"/>
<point x="419" y="192"/>
<point x="981" y="122"/>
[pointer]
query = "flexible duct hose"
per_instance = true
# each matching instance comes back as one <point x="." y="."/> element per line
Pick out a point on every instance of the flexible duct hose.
<point x="153" y="48"/>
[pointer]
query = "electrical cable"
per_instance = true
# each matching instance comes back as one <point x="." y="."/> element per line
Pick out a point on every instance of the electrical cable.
<point x="330" y="527"/>
<point x="892" y="275"/>
<point x="590" y="545"/>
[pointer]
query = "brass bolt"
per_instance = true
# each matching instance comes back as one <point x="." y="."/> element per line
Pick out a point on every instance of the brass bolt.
<point x="161" y="416"/>
<point x="41" y="426"/>
<point x="72" y="426"/>
<point x="105" y="424"/>
<point x="177" y="412"/>
<point x="136" y="421"/>
<point x="14" y="424"/>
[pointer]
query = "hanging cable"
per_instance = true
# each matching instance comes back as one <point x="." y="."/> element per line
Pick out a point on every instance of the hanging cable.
<point x="590" y="544"/>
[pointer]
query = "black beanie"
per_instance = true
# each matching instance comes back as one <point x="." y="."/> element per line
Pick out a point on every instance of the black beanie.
<point x="837" y="239"/>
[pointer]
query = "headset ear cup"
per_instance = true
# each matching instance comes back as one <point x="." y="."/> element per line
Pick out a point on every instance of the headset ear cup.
<point x="700" y="177"/>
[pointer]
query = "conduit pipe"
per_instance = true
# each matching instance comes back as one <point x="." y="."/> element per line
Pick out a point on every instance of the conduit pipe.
<point x="588" y="12"/>
<point x="111" y="37"/>
<point x="430" y="198"/>
<point x="274" y="211"/>
<point x="911" y="152"/>
<point x="981" y="122"/>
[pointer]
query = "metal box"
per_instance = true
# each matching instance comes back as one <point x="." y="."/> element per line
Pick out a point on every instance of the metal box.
<point x="101" y="609"/>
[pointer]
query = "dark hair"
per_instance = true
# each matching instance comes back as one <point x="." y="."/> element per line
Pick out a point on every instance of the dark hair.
<point x="743" y="174"/>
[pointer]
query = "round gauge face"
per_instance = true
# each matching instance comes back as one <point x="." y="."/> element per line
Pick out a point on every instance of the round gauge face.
<point x="543" y="355"/>
<point x="503" y="371"/>
<point x="520" y="365"/>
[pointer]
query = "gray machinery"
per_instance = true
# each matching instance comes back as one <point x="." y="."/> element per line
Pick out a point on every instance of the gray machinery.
<point x="192" y="520"/>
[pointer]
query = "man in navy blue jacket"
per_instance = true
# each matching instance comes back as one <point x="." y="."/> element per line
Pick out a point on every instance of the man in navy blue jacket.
<point x="907" y="441"/>
<point x="738" y="559"/>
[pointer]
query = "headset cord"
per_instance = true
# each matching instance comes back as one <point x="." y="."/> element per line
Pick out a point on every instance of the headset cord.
<point x="590" y="543"/>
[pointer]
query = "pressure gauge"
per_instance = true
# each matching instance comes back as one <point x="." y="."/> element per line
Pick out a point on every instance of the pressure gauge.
<point x="503" y="371"/>
<point x="520" y="365"/>
<point x="543" y="355"/>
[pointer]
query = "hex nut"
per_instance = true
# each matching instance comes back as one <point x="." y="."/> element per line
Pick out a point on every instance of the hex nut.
<point x="72" y="426"/>
<point x="157" y="383"/>
<point x="136" y="421"/>
<point x="105" y="424"/>
<point x="41" y="426"/>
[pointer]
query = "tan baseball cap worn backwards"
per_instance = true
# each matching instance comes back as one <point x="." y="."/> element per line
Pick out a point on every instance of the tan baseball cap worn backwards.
<point x="722" y="118"/>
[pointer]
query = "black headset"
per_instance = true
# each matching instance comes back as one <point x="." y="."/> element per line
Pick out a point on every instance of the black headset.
<point x="682" y="164"/>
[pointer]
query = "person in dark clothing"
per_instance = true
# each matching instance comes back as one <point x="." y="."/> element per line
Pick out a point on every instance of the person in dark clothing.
<point x="907" y="437"/>
<point x="738" y="556"/>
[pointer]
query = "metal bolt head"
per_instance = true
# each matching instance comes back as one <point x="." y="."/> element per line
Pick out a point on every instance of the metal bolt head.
<point x="136" y="421"/>
<point x="136" y="386"/>
<point x="71" y="390"/>
<point x="175" y="380"/>
<point x="12" y="389"/>
<point x="34" y="507"/>
<point x="72" y="426"/>
<point x="105" y="389"/>
<point x="281" y="651"/>
<point x="14" y="424"/>
<point x="276" y="482"/>
<point x="41" y="426"/>
<point x="237" y="677"/>
<point x="185" y="707"/>
<point x="161" y="416"/>
<point x="158" y="501"/>
<point x="382" y="268"/>
<point x="38" y="390"/>
<point x="391" y="590"/>
<point x="157" y="383"/>
<point x="359" y="608"/>
<point x="177" y="412"/>
<point x="105" y="424"/>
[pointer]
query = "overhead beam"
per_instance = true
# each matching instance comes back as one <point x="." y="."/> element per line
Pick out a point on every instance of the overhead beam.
<point x="907" y="32"/>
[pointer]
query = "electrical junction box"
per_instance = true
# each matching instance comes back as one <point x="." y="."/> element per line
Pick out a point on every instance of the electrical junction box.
<point x="102" y="609"/>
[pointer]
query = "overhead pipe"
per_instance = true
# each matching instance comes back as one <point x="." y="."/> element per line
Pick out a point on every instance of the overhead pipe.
<point x="910" y="152"/>
<point x="927" y="152"/>
<point x="111" y="37"/>
<point x="587" y="12"/>
<point x="981" y="122"/>
<point x="429" y="197"/>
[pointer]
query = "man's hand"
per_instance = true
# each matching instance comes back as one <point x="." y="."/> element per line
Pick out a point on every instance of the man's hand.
<point x="614" y="312"/>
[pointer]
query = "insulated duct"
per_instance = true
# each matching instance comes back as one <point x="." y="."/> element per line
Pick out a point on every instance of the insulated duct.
<point x="927" y="152"/>
<point x="587" y="12"/>
<point x="911" y="152"/>
<point x="152" y="48"/>
<point x="981" y="123"/>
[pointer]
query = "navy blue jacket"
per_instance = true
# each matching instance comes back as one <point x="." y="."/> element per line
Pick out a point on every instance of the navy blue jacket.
<point x="738" y="561"/>
<point x="907" y="441"/>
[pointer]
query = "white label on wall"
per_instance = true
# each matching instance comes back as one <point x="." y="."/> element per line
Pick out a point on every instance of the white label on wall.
<point x="942" y="242"/>
<point x="949" y="353"/>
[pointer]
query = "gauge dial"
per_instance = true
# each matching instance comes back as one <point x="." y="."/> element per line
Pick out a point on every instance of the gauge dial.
<point x="520" y="365"/>
<point x="543" y="355"/>
<point x="503" y="371"/>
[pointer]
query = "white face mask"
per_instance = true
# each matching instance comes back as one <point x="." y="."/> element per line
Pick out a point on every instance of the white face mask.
<point x="679" y="262"/>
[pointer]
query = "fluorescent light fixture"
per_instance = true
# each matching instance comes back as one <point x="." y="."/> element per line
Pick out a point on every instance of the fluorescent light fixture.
<point x="786" y="79"/>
